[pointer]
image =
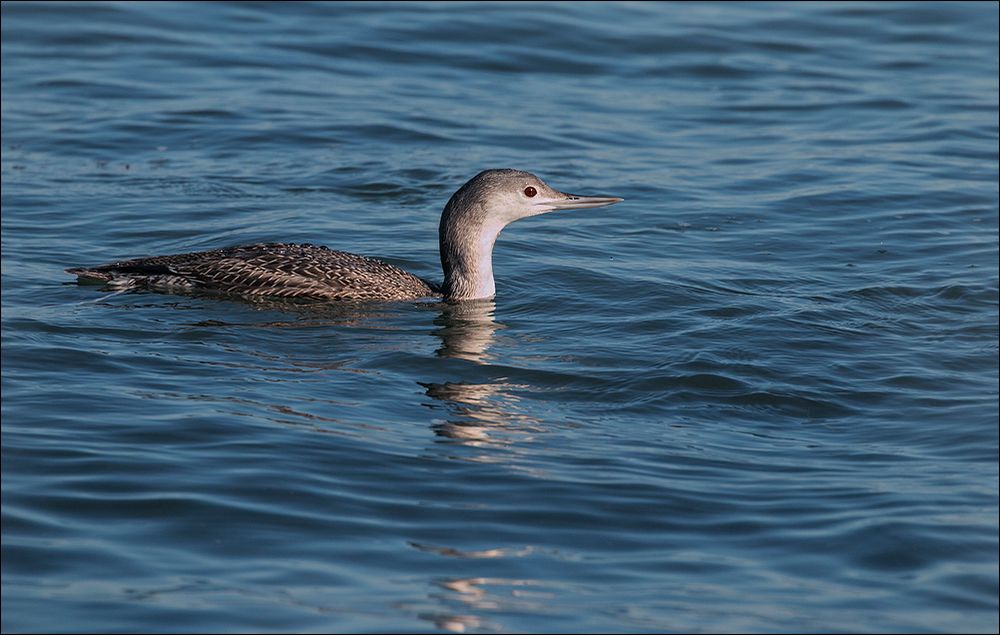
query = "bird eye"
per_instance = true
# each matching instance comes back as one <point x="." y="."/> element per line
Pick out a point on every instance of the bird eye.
<point x="530" y="191"/>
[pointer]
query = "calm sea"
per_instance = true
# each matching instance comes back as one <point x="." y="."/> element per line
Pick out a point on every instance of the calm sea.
<point x="759" y="395"/>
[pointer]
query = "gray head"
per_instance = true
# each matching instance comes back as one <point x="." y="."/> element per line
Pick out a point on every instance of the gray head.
<point x="478" y="212"/>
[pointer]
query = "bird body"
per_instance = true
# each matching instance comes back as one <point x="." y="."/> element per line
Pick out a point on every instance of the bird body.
<point x="275" y="270"/>
<point x="470" y="224"/>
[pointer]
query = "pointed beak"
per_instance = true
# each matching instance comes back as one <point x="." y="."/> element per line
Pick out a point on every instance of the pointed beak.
<point x="572" y="201"/>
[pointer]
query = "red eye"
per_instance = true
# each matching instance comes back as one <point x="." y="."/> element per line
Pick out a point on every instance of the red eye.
<point x="530" y="191"/>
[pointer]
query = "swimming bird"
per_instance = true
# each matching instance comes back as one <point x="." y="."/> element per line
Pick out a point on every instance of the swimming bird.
<point x="470" y="223"/>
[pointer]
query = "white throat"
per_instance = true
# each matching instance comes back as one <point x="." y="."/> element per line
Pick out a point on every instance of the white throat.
<point x="470" y="255"/>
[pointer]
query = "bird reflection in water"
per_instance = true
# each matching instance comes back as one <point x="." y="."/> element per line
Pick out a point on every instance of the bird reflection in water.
<point x="467" y="330"/>
<point x="465" y="599"/>
<point x="476" y="411"/>
<point x="483" y="416"/>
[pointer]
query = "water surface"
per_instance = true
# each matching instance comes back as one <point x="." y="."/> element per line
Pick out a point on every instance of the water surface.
<point x="759" y="395"/>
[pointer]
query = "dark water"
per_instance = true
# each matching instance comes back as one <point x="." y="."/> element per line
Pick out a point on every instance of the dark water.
<point x="759" y="395"/>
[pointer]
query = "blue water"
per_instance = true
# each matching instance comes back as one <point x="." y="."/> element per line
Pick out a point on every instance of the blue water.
<point x="759" y="395"/>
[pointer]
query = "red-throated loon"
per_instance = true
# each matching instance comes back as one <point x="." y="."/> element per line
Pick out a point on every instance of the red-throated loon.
<point x="470" y="224"/>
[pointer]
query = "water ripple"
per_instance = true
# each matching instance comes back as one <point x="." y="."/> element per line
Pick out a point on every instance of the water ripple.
<point x="759" y="395"/>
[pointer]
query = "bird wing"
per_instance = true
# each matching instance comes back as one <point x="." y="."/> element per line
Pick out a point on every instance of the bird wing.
<point x="281" y="270"/>
<point x="294" y="271"/>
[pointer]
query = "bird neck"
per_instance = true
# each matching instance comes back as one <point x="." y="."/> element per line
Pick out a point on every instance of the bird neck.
<point x="467" y="255"/>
